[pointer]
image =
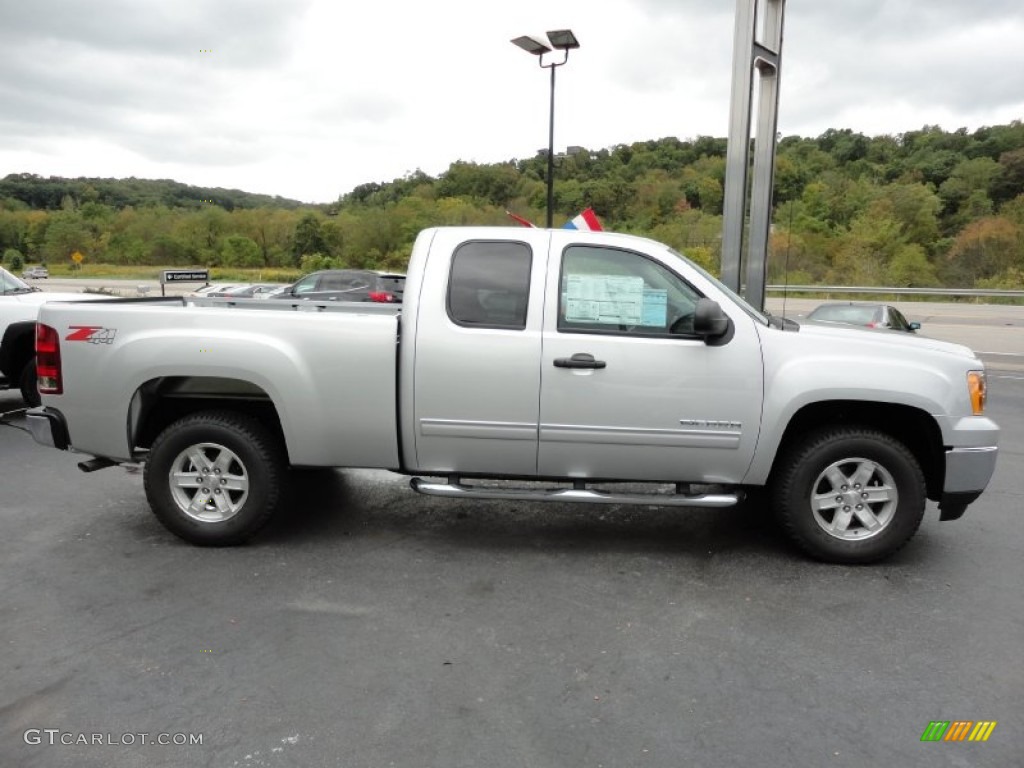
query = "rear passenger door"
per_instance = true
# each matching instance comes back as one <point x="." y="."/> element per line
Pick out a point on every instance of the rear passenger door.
<point x="477" y="358"/>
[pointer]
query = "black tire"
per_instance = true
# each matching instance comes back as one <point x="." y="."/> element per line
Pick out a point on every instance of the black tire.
<point x="28" y="384"/>
<point x="245" y="462"/>
<point x="885" y="480"/>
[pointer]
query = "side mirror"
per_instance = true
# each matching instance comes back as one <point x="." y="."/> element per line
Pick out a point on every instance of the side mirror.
<point x="915" y="326"/>
<point x="709" y="321"/>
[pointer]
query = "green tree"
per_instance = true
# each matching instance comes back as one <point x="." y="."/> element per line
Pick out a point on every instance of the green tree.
<point x="308" y="238"/>
<point x="984" y="249"/>
<point x="910" y="268"/>
<point x="65" y="234"/>
<point x="240" y="251"/>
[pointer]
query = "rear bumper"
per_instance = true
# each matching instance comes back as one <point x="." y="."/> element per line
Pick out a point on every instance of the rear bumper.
<point x="48" y="427"/>
<point x="968" y="471"/>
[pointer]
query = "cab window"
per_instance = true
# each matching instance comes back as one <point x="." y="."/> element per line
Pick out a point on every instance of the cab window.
<point x="613" y="291"/>
<point x="489" y="286"/>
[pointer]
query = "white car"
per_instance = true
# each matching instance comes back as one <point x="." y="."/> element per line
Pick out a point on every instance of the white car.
<point x="35" y="273"/>
<point x="214" y="288"/>
<point x="19" y="305"/>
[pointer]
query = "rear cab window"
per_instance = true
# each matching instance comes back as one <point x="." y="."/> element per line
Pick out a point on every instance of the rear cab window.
<point x="489" y="284"/>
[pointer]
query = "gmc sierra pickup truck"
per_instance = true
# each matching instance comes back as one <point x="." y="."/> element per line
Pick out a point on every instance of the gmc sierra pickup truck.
<point x="541" y="365"/>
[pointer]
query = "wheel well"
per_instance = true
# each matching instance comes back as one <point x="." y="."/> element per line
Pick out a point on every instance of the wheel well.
<point x="18" y="347"/>
<point x="911" y="426"/>
<point x="160" y="402"/>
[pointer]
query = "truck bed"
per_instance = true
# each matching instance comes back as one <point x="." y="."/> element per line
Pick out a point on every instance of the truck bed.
<point x="328" y="369"/>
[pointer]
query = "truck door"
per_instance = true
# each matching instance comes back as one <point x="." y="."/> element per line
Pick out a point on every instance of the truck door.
<point x="477" y="356"/>
<point x="626" y="392"/>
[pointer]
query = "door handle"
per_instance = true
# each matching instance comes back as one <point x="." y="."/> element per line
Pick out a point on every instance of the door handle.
<point x="579" y="360"/>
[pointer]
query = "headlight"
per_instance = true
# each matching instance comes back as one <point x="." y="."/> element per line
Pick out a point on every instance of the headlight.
<point x="979" y="391"/>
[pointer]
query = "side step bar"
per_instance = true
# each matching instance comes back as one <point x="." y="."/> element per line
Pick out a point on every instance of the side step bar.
<point x="456" y="489"/>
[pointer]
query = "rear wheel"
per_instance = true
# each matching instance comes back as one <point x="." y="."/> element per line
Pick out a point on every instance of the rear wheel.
<point x="28" y="385"/>
<point x="214" y="478"/>
<point x="849" y="494"/>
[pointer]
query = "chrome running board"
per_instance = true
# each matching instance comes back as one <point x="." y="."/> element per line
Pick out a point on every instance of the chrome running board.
<point x="456" y="489"/>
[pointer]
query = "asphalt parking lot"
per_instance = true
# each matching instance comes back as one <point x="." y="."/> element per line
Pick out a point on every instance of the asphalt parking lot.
<point x="374" y="627"/>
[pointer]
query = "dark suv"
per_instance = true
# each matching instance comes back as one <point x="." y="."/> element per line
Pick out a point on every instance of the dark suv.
<point x="347" y="285"/>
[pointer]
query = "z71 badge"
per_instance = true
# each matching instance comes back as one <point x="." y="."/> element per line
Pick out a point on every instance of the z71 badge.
<point x="94" y="334"/>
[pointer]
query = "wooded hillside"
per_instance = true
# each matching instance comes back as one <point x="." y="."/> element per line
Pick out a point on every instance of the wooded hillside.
<point x="923" y="208"/>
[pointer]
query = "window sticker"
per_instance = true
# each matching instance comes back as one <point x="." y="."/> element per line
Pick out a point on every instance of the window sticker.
<point x="605" y="299"/>
<point x="655" y="307"/>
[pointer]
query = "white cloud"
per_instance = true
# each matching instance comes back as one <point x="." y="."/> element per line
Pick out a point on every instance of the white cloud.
<point x="309" y="99"/>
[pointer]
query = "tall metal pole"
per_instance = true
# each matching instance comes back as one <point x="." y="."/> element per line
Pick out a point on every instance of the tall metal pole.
<point x="737" y="158"/>
<point x="763" y="56"/>
<point x="551" y="150"/>
<point x="560" y="40"/>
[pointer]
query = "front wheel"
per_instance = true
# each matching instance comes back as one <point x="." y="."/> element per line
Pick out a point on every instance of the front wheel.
<point x="214" y="478"/>
<point x="849" y="494"/>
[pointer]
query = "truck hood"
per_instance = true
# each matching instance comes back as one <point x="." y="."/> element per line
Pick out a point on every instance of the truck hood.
<point x="894" y="341"/>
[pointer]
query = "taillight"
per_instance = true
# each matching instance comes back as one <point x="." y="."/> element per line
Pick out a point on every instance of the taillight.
<point x="382" y="297"/>
<point x="49" y="380"/>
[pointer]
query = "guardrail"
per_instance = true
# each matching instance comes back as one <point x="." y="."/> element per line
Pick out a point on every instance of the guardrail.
<point x="876" y="290"/>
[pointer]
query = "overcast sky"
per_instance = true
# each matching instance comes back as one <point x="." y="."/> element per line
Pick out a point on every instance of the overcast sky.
<point x="310" y="98"/>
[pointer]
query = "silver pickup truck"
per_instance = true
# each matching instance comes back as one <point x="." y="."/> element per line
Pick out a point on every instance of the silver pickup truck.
<point x="533" y="364"/>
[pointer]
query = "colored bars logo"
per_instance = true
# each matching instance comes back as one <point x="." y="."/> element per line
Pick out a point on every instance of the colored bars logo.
<point x="959" y="730"/>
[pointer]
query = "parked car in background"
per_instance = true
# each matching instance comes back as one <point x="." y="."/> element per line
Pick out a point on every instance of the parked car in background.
<point x="254" y="291"/>
<point x="36" y="273"/>
<point x="19" y="306"/>
<point x="347" y="285"/>
<point x="867" y="315"/>
<point x="213" y="289"/>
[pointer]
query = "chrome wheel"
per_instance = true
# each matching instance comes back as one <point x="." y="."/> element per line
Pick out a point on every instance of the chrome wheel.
<point x="854" y="499"/>
<point x="208" y="482"/>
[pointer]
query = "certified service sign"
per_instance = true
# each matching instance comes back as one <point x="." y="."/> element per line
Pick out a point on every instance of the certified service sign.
<point x="185" y="276"/>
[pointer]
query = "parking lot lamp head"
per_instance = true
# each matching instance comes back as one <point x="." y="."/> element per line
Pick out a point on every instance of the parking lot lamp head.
<point x="532" y="45"/>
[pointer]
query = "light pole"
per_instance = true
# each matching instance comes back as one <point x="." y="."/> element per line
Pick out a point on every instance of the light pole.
<point x="560" y="40"/>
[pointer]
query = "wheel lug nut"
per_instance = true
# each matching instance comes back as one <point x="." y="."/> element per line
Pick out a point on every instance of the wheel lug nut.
<point x="859" y="506"/>
<point x="863" y="495"/>
<point x="839" y="499"/>
<point x="846" y="487"/>
<point x="846" y="509"/>
<point x="216" y="490"/>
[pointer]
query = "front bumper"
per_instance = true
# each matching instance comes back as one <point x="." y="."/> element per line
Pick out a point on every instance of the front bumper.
<point x="48" y="427"/>
<point x="968" y="471"/>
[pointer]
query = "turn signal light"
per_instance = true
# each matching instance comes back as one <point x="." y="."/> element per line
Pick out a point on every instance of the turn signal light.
<point x="382" y="297"/>
<point x="979" y="391"/>
<point x="48" y="374"/>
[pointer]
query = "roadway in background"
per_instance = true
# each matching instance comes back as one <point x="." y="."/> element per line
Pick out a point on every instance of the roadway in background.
<point x="994" y="331"/>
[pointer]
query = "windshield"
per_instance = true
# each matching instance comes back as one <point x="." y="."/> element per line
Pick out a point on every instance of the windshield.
<point x="11" y="284"/>
<point x="740" y="301"/>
